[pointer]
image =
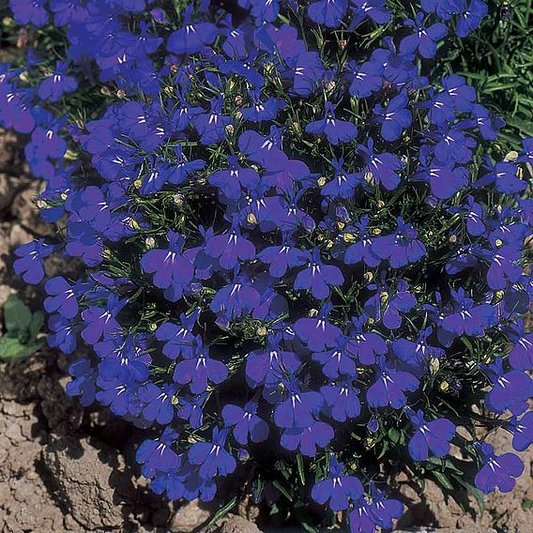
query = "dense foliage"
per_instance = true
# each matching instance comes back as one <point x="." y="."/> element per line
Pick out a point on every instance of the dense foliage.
<point x="303" y="244"/>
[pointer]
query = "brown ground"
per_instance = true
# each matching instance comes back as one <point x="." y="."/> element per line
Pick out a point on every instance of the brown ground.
<point x="65" y="469"/>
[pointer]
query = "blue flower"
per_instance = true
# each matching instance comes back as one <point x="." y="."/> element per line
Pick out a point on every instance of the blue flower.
<point x="400" y="248"/>
<point x="338" y="489"/>
<point x="172" y="270"/>
<point x="245" y="423"/>
<point x="191" y="37"/>
<point x="307" y="439"/>
<point x="157" y="455"/>
<point x="212" y="457"/>
<point x="424" y="38"/>
<point x="431" y="436"/>
<point x="498" y="471"/>
<point x="231" y="182"/>
<point x="318" y="277"/>
<point x="395" y="118"/>
<point x="57" y="83"/>
<point x="328" y="12"/>
<point x="390" y="386"/>
<point x="29" y="262"/>
<point x="335" y="130"/>
<point x="342" y="185"/>
<point x="383" y="168"/>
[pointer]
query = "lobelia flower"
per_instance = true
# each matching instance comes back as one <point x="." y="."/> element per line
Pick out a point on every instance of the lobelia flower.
<point x="498" y="471"/>
<point x="338" y="360"/>
<point x="373" y="9"/>
<point x="299" y="408"/>
<point x="57" y="84"/>
<point x="335" y="130"/>
<point x="200" y="369"/>
<point x="231" y="248"/>
<point x="431" y="436"/>
<point x="158" y="402"/>
<point x="83" y="383"/>
<point x="308" y="72"/>
<point x="342" y="185"/>
<point x="390" y="386"/>
<point x="179" y="339"/>
<point x="172" y="269"/>
<point x="157" y="455"/>
<point x="342" y="400"/>
<point x="338" y="489"/>
<point x="33" y="12"/>
<point x="212" y="457"/>
<point x="362" y="249"/>
<point x="365" y="345"/>
<point x="63" y="334"/>
<point x="29" y="262"/>
<point x="191" y="37"/>
<point x="452" y="145"/>
<point x="382" y="167"/>
<point x="318" y="277"/>
<point x="265" y="151"/>
<point x="101" y="321"/>
<point x="328" y="12"/>
<point x="307" y="439"/>
<point x="400" y="248"/>
<point x="504" y="176"/>
<point x="318" y="333"/>
<point x="383" y="510"/>
<point x="247" y="426"/>
<point x="282" y="258"/>
<point x="267" y="365"/>
<point x="232" y="181"/>
<point x="510" y="390"/>
<point x="521" y="355"/>
<point x="365" y="79"/>
<point x="386" y="305"/>
<point x="522" y="431"/>
<point x="423" y="39"/>
<point x="211" y="126"/>
<point x="261" y="110"/>
<point x="395" y="118"/>
<point x="190" y="409"/>
<point x="468" y="318"/>
<point x="470" y="16"/>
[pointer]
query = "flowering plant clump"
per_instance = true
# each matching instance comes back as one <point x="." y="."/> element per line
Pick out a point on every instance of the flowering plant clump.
<point x="303" y="244"/>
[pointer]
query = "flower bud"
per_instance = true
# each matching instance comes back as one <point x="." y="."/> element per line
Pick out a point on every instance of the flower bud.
<point x="150" y="243"/>
<point x="368" y="277"/>
<point x="511" y="156"/>
<point x="261" y="331"/>
<point x="251" y="219"/>
<point x="349" y="238"/>
<point x="230" y="130"/>
<point x="322" y="181"/>
<point x="152" y="327"/>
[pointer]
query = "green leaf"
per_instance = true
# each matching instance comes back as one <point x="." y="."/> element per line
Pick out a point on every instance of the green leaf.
<point x="442" y="480"/>
<point x="301" y="471"/>
<point x="282" y="489"/>
<point x="12" y="348"/>
<point x="394" y="435"/>
<point x="37" y="322"/>
<point x="17" y="315"/>
<point x="527" y="504"/>
<point x="223" y="511"/>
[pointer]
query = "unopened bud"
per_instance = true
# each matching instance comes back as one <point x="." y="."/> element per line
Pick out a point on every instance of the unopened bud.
<point x="381" y="204"/>
<point x="64" y="196"/>
<point x="368" y="277"/>
<point x="105" y="90"/>
<point x="376" y="231"/>
<point x="511" y="156"/>
<point x="230" y="130"/>
<point x="121" y="93"/>
<point x="341" y="225"/>
<point x="434" y="365"/>
<point x="239" y="100"/>
<point x="238" y="115"/>
<point x="313" y="313"/>
<point x="137" y="183"/>
<point x="498" y="242"/>
<point x="149" y="242"/>
<point x="178" y="199"/>
<point x="152" y="327"/>
<point x="322" y="181"/>
<point x="342" y="43"/>
<point x="369" y="178"/>
<point x="24" y="76"/>
<point x="329" y="244"/>
<point x="251" y="219"/>
<point x="349" y="238"/>
<point x="261" y="331"/>
<point x="452" y="239"/>
<point x="444" y="386"/>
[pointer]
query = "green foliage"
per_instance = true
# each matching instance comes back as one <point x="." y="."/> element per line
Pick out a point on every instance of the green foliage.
<point x="21" y="338"/>
<point x="498" y="60"/>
